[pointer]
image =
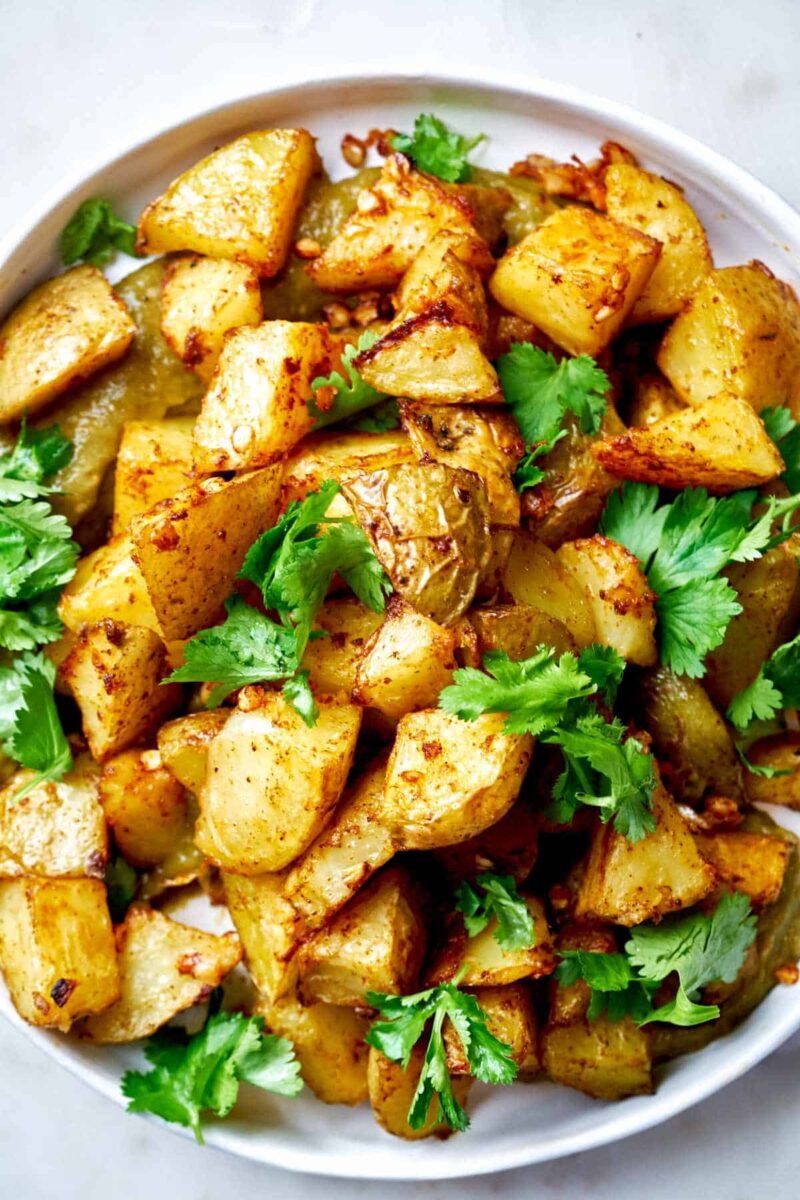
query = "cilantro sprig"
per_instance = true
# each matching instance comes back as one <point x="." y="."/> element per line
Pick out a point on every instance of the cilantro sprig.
<point x="683" y="546"/>
<point x="699" y="948"/>
<point x="436" y="149"/>
<point x="775" y="687"/>
<point x="30" y="727"/>
<point x="95" y="233"/>
<point x="351" y="396"/>
<point x="202" y="1073"/>
<point x="550" y="698"/>
<point x="540" y="392"/>
<point x="404" y="1022"/>
<point x="37" y="455"/>
<point x="514" y="928"/>
<point x="785" y="433"/>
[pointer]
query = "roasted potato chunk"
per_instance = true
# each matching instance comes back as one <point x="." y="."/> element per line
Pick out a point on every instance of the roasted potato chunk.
<point x="405" y="664"/>
<point x="57" y="829"/>
<point x="537" y="578"/>
<point x="240" y="202"/>
<point x="720" y="445"/>
<point x="781" y="751"/>
<point x="57" y="949"/>
<point x="64" y="330"/>
<point x="164" y="968"/>
<point x="511" y="1017"/>
<point x="658" y="208"/>
<point x="375" y="944"/>
<point x="332" y="661"/>
<point x="108" y="585"/>
<point x="428" y="524"/>
<point x="154" y="463"/>
<point x="447" y="269"/>
<point x="329" y="1043"/>
<point x="271" y="782"/>
<point x="653" y="399"/>
<point x="519" y="630"/>
<point x="183" y="745"/>
<point x="488" y="964"/>
<point x="190" y="548"/>
<point x="202" y="299"/>
<point x="753" y="863"/>
<point x="114" y="673"/>
<point x="616" y="588"/>
<point x="577" y="276"/>
<point x="392" y="1088"/>
<point x="509" y="847"/>
<point x="340" y="456"/>
<point x="630" y="882"/>
<point x="268" y="928"/>
<point x="740" y="335"/>
<point x="145" y="806"/>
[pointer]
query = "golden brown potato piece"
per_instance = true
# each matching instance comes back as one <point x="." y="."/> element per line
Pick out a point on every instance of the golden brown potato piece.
<point x="616" y="588"/>
<point x="392" y="1088"/>
<point x="183" y="745"/>
<point x="329" y="1043"/>
<point x="447" y="269"/>
<point x="268" y="928"/>
<point x="630" y="882"/>
<point x="510" y="1016"/>
<point x="332" y="661"/>
<point x="692" y="742"/>
<point x="782" y="752"/>
<point x="375" y="944"/>
<point x="428" y="524"/>
<point x="519" y="630"/>
<point x="658" y="208"/>
<point x="740" y="334"/>
<point x="488" y="964"/>
<point x="340" y="456"/>
<point x="57" y="949"/>
<point x="355" y="844"/>
<point x="607" y="1060"/>
<point x="396" y="218"/>
<point x="257" y="405"/>
<point x="154" y="462"/>
<point x="720" y="445"/>
<point x="769" y="593"/>
<point x="753" y="863"/>
<point x="405" y="664"/>
<point x="107" y="584"/>
<point x="64" y="330"/>
<point x="145" y="806"/>
<point x="190" y="548"/>
<point x="240" y="202"/>
<point x="653" y="399"/>
<point x="535" y="577"/>
<point x="577" y="276"/>
<point x="272" y="782"/>
<point x="448" y="779"/>
<point x="114" y="673"/>
<point x="57" y="829"/>
<point x="508" y="847"/>
<point x="201" y="300"/>
<point x="164" y="968"/>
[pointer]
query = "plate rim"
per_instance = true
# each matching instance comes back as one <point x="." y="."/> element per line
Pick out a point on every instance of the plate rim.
<point x="725" y="178"/>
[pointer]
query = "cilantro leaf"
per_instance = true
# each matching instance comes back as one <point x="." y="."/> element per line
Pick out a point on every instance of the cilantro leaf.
<point x="775" y="687"/>
<point x="605" y="667"/>
<point x="94" y="233"/>
<point x="37" y="455"/>
<point x="436" y="149"/>
<point x="514" y="925"/>
<point x="29" y="720"/>
<point x="297" y="691"/>
<point x="351" y="395"/>
<point x="785" y="433"/>
<point x="204" y="1074"/>
<point x="121" y="880"/>
<point x="693" y="620"/>
<point x="616" y="991"/>
<point x="403" y="1024"/>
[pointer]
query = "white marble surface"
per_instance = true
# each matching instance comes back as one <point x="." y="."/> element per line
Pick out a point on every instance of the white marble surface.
<point x="78" y="79"/>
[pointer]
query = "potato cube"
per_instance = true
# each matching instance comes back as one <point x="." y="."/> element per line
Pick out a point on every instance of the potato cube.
<point x="57" y="949"/>
<point x="340" y="456"/>
<point x="616" y="588"/>
<point x="165" y="967"/>
<point x="511" y="1017"/>
<point x="240" y="202"/>
<point x="145" y="806"/>
<point x="448" y="779"/>
<point x="375" y="944"/>
<point x="395" y="219"/>
<point x="658" y="208"/>
<point x="257" y="405"/>
<point x="485" y="962"/>
<point x="653" y="399"/>
<point x="518" y="630"/>
<point x="202" y="299"/>
<point x="630" y="882"/>
<point x="268" y="928"/>
<point x="332" y="661"/>
<point x="753" y="863"/>
<point x="780" y="751"/>
<point x="406" y="663"/>
<point x="108" y="585"/>
<point x="272" y="782"/>
<point x="63" y="331"/>
<point x="536" y="577"/>
<point x="190" y="548"/>
<point x="509" y="847"/>
<point x="392" y="1088"/>
<point x="114" y="672"/>
<point x="446" y="269"/>
<point x="154" y="463"/>
<point x="577" y="277"/>
<point x="740" y="334"/>
<point x="329" y="1043"/>
<point x="183" y="745"/>
<point x="57" y="830"/>
<point x="720" y="445"/>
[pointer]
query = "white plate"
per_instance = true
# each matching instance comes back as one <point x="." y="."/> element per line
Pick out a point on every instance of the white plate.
<point x="527" y="1123"/>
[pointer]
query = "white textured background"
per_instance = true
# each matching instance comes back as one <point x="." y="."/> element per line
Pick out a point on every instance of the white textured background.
<point x="82" y="77"/>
